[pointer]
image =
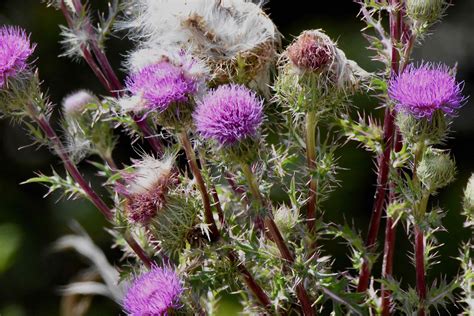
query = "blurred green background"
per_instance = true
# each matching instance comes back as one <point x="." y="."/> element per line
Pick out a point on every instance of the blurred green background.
<point x="30" y="273"/>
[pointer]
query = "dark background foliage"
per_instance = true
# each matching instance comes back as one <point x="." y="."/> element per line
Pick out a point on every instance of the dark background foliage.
<point x="30" y="273"/>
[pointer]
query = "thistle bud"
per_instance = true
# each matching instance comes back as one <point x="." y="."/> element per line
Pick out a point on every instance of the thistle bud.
<point x="429" y="130"/>
<point x="436" y="169"/>
<point x="174" y="225"/>
<point x="286" y="219"/>
<point x="75" y="103"/>
<point x="314" y="74"/>
<point x="468" y="201"/>
<point x="425" y="11"/>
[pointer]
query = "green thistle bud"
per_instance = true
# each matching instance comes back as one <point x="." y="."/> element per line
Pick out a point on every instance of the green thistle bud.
<point x="436" y="169"/>
<point x="286" y="219"/>
<point x="425" y="11"/>
<point x="428" y="130"/>
<point x="174" y="224"/>
<point x="468" y="201"/>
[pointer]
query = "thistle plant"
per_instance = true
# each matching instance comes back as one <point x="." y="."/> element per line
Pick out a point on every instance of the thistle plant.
<point x="208" y="81"/>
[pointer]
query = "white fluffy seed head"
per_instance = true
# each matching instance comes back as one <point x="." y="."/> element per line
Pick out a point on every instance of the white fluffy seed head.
<point x="76" y="102"/>
<point x="208" y="28"/>
<point x="149" y="172"/>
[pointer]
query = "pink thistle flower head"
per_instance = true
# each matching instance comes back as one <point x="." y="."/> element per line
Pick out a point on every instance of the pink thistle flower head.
<point x="15" y="49"/>
<point x="229" y="114"/>
<point x="162" y="84"/>
<point x="422" y="90"/>
<point x="153" y="293"/>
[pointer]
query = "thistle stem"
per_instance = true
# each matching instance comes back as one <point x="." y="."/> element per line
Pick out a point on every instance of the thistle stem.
<point x="71" y="168"/>
<point x="396" y="25"/>
<point x="277" y="237"/>
<point x="389" y="243"/>
<point x="311" y="122"/>
<point x="191" y="156"/>
<point x="420" y="268"/>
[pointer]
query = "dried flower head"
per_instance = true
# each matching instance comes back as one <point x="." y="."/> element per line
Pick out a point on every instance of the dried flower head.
<point x="229" y="114"/>
<point x="15" y="49"/>
<point x="421" y="90"/>
<point x="155" y="292"/>
<point x="228" y="34"/>
<point x="146" y="187"/>
<point x="161" y="85"/>
<point x="75" y="103"/>
<point x="312" y="51"/>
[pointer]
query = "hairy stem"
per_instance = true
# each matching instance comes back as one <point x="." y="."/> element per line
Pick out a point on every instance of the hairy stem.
<point x="191" y="156"/>
<point x="311" y="122"/>
<point x="277" y="238"/>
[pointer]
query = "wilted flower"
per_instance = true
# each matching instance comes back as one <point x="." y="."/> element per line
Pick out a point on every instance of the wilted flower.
<point x="235" y="37"/>
<point x="229" y="114"/>
<point x="15" y="49"/>
<point x="146" y="187"/>
<point x="161" y="85"/>
<point x="314" y="74"/>
<point x="312" y="51"/>
<point x="422" y="90"/>
<point x="156" y="292"/>
<point x="74" y="103"/>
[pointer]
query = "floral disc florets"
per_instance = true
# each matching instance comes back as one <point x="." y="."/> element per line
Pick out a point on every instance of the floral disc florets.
<point x="229" y="114"/>
<point x="15" y="49"/>
<point x="422" y="90"/>
<point x="153" y="293"/>
<point x="161" y="85"/>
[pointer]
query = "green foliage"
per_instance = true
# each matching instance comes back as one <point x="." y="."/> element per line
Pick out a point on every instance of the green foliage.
<point x="69" y="188"/>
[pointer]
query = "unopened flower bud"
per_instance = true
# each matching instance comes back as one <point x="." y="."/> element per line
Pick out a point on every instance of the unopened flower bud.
<point x="468" y="201"/>
<point x="436" y="169"/>
<point x="425" y="11"/>
<point x="174" y="225"/>
<point x="76" y="102"/>
<point x="429" y="130"/>
<point x="286" y="219"/>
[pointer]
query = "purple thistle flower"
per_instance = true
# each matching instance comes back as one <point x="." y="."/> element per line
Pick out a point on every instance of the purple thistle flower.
<point x="161" y="85"/>
<point x="229" y="114"/>
<point x="422" y="90"/>
<point x="153" y="293"/>
<point x="15" y="49"/>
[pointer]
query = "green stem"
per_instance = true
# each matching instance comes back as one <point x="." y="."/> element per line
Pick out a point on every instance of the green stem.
<point x="311" y="122"/>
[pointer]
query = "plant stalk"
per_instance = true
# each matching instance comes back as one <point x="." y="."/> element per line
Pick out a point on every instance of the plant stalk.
<point x="396" y="25"/>
<point x="71" y="168"/>
<point x="277" y="237"/>
<point x="191" y="156"/>
<point x="311" y="122"/>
